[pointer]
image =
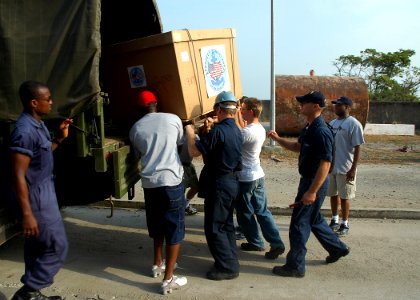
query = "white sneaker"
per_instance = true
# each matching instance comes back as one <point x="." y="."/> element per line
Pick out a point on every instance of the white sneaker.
<point x="158" y="270"/>
<point x="173" y="284"/>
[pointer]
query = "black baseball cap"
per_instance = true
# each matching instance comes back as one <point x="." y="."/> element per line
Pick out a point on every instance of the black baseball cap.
<point x="343" y="100"/>
<point x="312" y="97"/>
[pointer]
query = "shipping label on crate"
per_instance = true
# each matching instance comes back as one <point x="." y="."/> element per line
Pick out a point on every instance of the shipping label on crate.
<point x="137" y="76"/>
<point x="215" y="69"/>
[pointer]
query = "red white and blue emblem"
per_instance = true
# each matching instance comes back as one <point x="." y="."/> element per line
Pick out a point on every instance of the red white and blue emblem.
<point x="215" y="70"/>
<point x="137" y="76"/>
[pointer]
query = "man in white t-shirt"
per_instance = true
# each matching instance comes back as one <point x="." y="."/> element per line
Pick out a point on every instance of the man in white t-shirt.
<point x="251" y="205"/>
<point x="348" y="138"/>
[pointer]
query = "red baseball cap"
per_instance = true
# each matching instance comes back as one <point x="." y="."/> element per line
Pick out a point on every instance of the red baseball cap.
<point x="145" y="98"/>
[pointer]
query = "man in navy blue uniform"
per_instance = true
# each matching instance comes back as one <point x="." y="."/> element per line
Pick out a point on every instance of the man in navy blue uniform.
<point x="32" y="169"/>
<point x="218" y="185"/>
<point x="315" y="145"/>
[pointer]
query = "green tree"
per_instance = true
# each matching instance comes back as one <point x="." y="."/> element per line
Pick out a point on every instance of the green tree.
<point x="389" y="76"/>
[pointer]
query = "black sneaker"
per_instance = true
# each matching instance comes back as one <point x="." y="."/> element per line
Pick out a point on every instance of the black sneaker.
<point x="251" y="247"/>
<point x="285" y="271"/>
<point x="332" y="258"/>
<point x="274" y="253"/>
<point x="343" y="230"/>
<point x="24" y="293"/>
<point x="190" y="210"/>
<point x="215" y="274"/>
<point x="334" y="225"/>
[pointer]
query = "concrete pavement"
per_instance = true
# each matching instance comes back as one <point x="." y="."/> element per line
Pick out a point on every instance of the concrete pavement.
<point x="110" y="258"/>
<point x="370" y="213"/>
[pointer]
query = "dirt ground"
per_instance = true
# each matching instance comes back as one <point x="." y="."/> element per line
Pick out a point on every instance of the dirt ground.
<point x="387" y="177"/>
<point x="378" y="185"/>
<point x="111" y="259"/>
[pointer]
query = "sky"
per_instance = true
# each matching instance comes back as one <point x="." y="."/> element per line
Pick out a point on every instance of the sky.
<point x="309" y="34"/>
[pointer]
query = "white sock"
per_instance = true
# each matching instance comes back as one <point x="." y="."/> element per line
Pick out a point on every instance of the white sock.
<point x="335" y="218"/>
<point x="169" y="280"/>
<point x="345" y="222"/>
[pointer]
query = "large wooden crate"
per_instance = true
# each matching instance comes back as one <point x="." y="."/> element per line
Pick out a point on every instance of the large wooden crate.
<point x="185" y="68"/>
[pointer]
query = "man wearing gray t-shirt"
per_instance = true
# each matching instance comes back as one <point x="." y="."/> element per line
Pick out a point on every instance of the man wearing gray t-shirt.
<point x="348" y="138"/>
<point x="155" y="138"/>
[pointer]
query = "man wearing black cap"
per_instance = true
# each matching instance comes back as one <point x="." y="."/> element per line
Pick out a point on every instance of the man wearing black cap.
<point x="315" y="147"/>
<point x="348" y="138"/>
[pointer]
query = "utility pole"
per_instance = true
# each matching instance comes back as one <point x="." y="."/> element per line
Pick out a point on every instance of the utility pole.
<point x="273" y="78"/>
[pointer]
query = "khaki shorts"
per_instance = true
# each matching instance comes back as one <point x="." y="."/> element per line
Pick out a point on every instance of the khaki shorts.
<point x="339" y="186"/>
<point x="190" y="179"/>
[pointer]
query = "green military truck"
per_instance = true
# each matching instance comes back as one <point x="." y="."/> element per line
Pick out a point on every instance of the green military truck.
<point x="95" y="55"/>
<point x="61" y="43"/>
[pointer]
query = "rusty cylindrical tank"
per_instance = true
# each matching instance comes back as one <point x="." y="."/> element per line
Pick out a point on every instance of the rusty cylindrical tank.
<point x="289" y="120"/>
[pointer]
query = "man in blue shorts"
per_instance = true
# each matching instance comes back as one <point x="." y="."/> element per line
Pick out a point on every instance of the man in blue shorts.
<point x="155" y="138"/>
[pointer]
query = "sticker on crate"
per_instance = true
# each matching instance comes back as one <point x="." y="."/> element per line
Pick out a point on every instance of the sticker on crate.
<point x="215" y="69"/>
<point x="137" y="76"/>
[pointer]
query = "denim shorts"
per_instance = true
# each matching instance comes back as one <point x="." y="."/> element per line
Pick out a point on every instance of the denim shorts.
<point x="165" y="212"/>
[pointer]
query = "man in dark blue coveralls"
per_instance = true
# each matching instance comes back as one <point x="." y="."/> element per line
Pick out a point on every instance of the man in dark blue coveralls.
<point x="32" y="169"/>
<point x="315" y="145"/>
<point x="218" y="185"/>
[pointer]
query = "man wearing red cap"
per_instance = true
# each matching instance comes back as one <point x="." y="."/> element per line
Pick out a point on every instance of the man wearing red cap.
<point x="155" y="138"/>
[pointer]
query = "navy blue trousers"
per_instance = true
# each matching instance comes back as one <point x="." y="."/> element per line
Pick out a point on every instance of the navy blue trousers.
<point x="218" y="222"/>
<point x="307" y="218"/>
<point x="44" y="255"/>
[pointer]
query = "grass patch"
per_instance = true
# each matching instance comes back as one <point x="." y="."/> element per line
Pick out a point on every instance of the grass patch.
<point x="377" y="149"/>
<point x="391" y="149"/>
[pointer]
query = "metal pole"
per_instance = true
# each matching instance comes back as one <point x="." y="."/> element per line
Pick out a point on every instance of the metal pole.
<point x="273" y="78"/>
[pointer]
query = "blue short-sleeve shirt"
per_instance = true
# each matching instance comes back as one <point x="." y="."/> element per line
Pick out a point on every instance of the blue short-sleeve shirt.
<point x="316" y="142"/>
<point x="33" y="139"/>
<point x="221" y="148"/>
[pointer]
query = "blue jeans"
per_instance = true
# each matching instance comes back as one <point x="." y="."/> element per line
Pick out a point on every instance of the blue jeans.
<point x="307" y="218"/>
<point x="251" y="203"/>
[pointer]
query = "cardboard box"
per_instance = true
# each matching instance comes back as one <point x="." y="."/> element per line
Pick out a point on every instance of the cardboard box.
<point x="185" y="68"/>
